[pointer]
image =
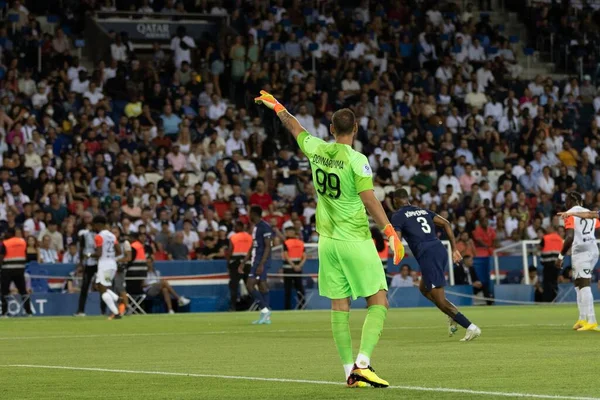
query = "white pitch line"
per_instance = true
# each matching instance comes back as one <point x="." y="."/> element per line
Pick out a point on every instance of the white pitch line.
<point x="308" y="381"/>
<point x="392" y="328"/>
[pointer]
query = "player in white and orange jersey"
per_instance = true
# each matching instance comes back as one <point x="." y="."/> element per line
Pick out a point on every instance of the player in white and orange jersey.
<point x="581" y="239"/>
<point x="107" y="250"/>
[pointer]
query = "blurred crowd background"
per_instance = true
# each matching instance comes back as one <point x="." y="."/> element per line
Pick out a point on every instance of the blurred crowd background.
<point x="169" y="143"/>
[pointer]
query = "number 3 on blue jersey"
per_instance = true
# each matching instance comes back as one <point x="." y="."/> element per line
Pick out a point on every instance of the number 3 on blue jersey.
<point x="424" y="225"/>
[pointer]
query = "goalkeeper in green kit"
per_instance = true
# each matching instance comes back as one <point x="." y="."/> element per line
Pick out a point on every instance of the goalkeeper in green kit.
<point x="349" y="266"/>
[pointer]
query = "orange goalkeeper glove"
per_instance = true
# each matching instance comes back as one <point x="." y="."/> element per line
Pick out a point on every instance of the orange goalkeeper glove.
<point x="394" y="242"/>
<point x="268" y="100"/>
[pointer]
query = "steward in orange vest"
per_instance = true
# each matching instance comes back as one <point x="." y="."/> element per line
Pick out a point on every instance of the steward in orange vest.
<point x="240" y="244"/>
<point x="12" y="258"/>
<point x="551" y="246"/>
<point x="294" y="258"/>
<point x="137" y="268"/>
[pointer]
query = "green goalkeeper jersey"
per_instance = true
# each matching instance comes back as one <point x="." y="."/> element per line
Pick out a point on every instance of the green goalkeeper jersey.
<point x="339" y="173"/>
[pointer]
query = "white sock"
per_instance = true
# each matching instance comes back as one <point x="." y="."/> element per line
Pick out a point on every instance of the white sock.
<point x="113" y="295"/>
<point x="264" y="310"/>
<point x="587" y="299"/>
<point x="471" y="327"/>
<point x="348" y="369"/>
<point x="108" y="299"/>
<point x="362" y="361"/>
<point x="580" y="305"/>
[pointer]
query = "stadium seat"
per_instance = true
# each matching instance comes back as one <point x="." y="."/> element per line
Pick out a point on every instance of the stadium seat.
<point x="152" y="177"/>
<point x="389" y="189"/>
<point x="493" y="176"/>
<point x="379" y="193"/>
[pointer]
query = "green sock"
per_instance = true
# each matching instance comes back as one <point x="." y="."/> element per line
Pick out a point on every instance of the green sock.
<point x="372" y="330"/>
<point x="340" y="327"/>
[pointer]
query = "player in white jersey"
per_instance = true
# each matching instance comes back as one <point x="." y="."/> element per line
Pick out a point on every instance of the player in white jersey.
<point x="581" y="239"/>
<point x="107" y="250"/>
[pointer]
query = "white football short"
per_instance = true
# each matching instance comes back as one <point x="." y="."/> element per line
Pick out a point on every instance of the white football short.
<point x="583" y="264"/>
<point x="105" y="276"/>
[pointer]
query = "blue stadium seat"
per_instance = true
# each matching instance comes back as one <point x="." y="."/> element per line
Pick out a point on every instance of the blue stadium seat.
<point x="13" y="18"/>
<point x="313" y="46"/>
<point x="385" y="47"/>
<point x="52" y="19"/>
<point x="514" y="39"/>
<point x="528" y="51"/>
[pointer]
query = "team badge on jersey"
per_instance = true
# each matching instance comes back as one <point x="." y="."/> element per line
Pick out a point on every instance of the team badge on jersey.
<point x="367" y="170"/>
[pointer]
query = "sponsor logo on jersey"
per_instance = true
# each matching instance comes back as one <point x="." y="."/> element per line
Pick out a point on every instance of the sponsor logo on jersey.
<point x="367" y="170"/>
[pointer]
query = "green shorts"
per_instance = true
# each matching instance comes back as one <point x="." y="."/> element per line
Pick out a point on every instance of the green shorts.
<point x="349" y="269"/>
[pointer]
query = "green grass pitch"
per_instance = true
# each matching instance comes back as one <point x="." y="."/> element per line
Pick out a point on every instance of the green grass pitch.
<point x="524" y="351"/>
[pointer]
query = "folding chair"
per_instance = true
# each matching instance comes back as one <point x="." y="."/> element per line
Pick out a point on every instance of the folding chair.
<point x="135" y="305"/>
<point x="308" y="295"/>
<point x="254" y="306"/>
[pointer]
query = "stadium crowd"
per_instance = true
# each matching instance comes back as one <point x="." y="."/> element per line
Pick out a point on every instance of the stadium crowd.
<point x="170" y="144"/>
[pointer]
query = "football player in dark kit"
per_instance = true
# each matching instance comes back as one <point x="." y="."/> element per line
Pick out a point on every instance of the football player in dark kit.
<point x="417" y="226"/>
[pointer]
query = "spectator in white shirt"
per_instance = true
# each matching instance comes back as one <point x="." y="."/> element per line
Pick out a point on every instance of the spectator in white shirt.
<point x="546" y="182"/>
<point x="590" y="151"/>
<point x="403" y="279"/>
<point x="350" y="85"/>
<point x="454" y="121"/>
<point x="40" y="98"/>
<point x="146" y="8"/>
<point x="190" y="237"/>
<point x="485" y="76"/>
<point x="235" y="143"/>
<point x="181" y="46"/>
<point x="47" y="255"/>
<point x="445" y="72"/>
<point x="464" y="150"/>
<point x="304" y="117"/>
<point x="118" y="50"/>
<point x="211" y="186"/>
<point x="449" y="179"/>
<point x="80" y="84"/>
<point x="476" y="53"/>
<point x="73" y="71"/>
<point x="406" y="172"/>
<point x="463" y="51"/>
<point x="318" y="129"/>
<point x="217" y="108"/>
<point x="94" y="94"/>
<point x="509" y="123"/>
<point x="26" y="84"/>
<point x="494" y="109"/>
<point x="102" y="118"/>
<point x="208" y="223"/>
<point x="511" y="222"/>
<point x="537" y="86"/>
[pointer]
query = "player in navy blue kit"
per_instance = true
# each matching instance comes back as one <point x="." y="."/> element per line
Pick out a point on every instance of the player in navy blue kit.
<point x="260" y="259"/>
<point x="417" y="226"/>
